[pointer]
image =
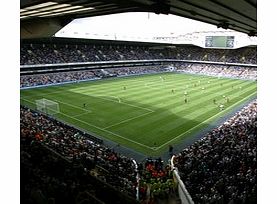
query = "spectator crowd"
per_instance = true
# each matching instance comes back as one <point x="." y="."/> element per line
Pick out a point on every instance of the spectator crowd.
<point x="222" y="166"/>
<point x="48" y="179"/>
<point x="61" y="77"/>
<point x="75" y="146"/>
<point x="211" y="70"/>
<point x="54" y="78"/>
<point x="219" y="70"/>
<point x="64" y="53"/>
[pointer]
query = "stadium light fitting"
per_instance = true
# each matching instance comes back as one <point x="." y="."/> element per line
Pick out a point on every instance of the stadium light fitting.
<point x="82" y="9"/>
<point x="55" y="7"/>
<point x="51" y="9"/>
<point x="29" y="12"/>
<point x="52" y="14"/>
<point x="65" y="12"/>
<point x="68" y="8"/>
<point x="41" y="5"/>
<point x="21" y="17"/>
<point x="40" y="13"/>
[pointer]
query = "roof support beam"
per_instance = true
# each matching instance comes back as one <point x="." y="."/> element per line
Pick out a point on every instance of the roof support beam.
<point x="213" y="12"/>
<point x="233" y="10"/>
<point x="38" y="28"/>
<point x="251" y="3"/>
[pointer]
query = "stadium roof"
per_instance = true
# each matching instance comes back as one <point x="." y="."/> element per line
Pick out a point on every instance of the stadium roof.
<point x="239" y="15"/>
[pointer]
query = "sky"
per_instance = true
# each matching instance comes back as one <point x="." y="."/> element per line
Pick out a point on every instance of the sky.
<point x="142" y="26"/>
<point x="138" y="24"/>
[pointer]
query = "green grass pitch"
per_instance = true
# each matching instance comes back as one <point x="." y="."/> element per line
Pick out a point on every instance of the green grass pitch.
<point x="150" y="113"/>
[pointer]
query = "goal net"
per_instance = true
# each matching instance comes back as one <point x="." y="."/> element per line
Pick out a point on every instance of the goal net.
<point x="47" y="106"/>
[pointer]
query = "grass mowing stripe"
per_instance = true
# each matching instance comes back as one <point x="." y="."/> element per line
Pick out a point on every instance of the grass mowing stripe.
<point x="127" y="120"/>
<point x="156" y="95"/>
<point x="81" y="114"/>
<point x="190" y="113"/>
<point x="45" y="94"/>
<point x="175" y="104"/>
<point x="207" y="120"/>
<point x="115" y="87"/>
<point x="123" y="103"/>
<point x="167" y="120"/>
<point x="138" y="92"/>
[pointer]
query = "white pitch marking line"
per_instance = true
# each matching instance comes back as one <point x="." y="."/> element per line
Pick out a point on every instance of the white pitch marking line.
<point x="88" y="111"/>
<point x="107" y="131"/>
<point x="126" y="120"/>
<point x="81" y="114"/>
<point x="205" y="121"/>
<point x="27" y="100"/>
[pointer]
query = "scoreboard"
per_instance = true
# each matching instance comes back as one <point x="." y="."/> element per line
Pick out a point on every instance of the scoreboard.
<point x="219" y="41"/>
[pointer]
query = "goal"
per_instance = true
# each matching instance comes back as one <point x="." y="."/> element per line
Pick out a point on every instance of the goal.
<point x="47" y="106"/>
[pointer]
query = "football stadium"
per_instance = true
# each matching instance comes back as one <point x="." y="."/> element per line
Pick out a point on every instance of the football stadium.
<point x="115" y="118"/>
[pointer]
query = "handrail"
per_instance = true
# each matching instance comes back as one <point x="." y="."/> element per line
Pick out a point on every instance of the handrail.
<point x="183" y="192"/>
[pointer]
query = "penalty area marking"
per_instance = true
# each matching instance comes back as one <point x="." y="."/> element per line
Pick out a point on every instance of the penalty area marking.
<point x="86" y="111"/>
<point x="143" y="145"/>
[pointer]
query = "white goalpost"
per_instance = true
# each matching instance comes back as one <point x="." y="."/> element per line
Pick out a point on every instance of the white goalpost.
<point x="47" y="106"/>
